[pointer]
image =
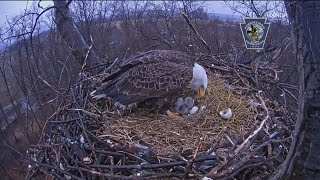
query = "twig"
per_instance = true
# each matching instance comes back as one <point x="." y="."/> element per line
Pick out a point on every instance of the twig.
<point x="190" y="163"/>
<point x="196" y="32"/>
<point x="86" y="112"/>
<point x="154" y="166"/>
<point x="54" y="89"/>
<point x="42" y="164"/>
<point x="246" y="142"/>
<point x="66" y="121"/>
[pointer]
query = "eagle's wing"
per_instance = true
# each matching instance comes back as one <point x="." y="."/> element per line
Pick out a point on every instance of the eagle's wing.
<point x="153" y="56"/>
<point x="147" y="80"/>
<point x="177" y="57"/>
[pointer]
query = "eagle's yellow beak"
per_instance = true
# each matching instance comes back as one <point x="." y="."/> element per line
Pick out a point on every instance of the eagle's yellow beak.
<point x="200" y="93"/>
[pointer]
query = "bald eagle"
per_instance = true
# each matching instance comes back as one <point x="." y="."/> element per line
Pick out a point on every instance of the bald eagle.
<point x="153" y="75"/>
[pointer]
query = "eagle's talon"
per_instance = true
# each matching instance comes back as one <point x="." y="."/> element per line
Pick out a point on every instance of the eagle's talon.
<point x="172" y="114"/>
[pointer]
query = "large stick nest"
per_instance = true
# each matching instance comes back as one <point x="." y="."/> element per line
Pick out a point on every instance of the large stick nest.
<point x="87" y="138"/>
<point x="168" y="135"/>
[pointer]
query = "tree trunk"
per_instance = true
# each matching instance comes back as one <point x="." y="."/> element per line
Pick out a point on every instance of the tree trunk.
<point x="303" y="160"/>
<point x="72" y="36"/>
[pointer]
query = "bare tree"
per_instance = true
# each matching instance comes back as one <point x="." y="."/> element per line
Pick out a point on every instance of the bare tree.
<point x="80" y="50"/>
<point x="253" y="8"/>
<point x="303" y="159"/>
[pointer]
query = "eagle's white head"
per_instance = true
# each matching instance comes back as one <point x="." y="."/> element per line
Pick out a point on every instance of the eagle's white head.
<point x="199" y="80"/>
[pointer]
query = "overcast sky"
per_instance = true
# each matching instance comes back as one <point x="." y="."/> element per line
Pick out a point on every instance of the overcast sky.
<point x="8" y="9"/>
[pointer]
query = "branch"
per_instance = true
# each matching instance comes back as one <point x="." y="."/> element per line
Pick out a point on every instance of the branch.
<point x="72" y="36"/>
<point x="33" y="27"/>
<point x="153" y="166"/>
<point x="246" y="142"/>
<point x="196" y="32"/>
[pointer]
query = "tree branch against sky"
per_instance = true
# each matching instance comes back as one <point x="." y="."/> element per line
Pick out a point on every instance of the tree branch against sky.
<point x="274" y="10"/>
<point x="9" y="9"/>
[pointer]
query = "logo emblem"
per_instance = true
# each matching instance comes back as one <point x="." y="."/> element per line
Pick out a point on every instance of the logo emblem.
<point x="254" y="31"/>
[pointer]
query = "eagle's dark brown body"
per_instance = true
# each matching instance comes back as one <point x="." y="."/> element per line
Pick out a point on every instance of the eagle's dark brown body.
<point x="148" y="76"/>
